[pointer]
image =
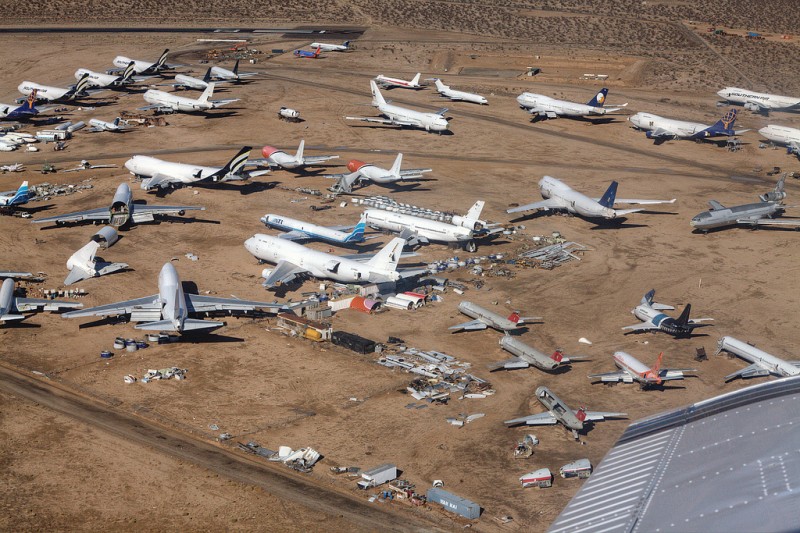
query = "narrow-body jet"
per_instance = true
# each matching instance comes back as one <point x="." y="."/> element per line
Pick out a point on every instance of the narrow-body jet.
<point x="632" y="370"/>
<point x="764" y="363"/>
<point x="167" y="102"/>
<point x="489" y="319"/>
<point x="526" y="356"/>
<point x="458" y="96"/>
<point x="363" y="172"/>
<point x="649" y="312"/>
<point x="275" y="157"/>
<point x="402" y="116"/>
<point x="299" y="230"/>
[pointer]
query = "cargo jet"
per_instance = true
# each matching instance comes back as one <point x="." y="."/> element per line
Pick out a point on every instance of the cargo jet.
<point x="166" y="102"/>
<point x="292" y="259"/>
<point x="631" y="369"/>
<point x="169" y="310"/>
<point x="558" y="195"/>
<point x="653" y="320"/>
<point x="760" y="102"/>
<point x="661" y="129"/>
<point x="14" y="198"/>
<point x="454" y="95"/>
<point x="107" y="81"/>
<point x="345" y="46"/>
<point x="388" y="83"/>
<point x="402" y="116"/>
<point x="21" y="112"/>
<point x="54" y="94"/>
<point x="764" y="364"/>
<point x="558" y="412"/>
<point x="219" y="73"/>
<point x="298" y="230"/>
<point x="121" y="212"/>
<point x="788" y="137"/>
<point x="546" y="107"/>
<point x="526" y="356"/>
<point x="161" y="174"/>
<point x="11" y="307"/>
<point x="279" y="158"/>
<point x="361" y="171"/>
<point x="757" y="214"/>
<point x="143" y="67"/>
<point x="488" y="319"/>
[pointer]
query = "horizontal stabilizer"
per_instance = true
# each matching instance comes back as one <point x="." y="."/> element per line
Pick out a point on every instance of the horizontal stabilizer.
<point x="75" y="275"/>
<point x="623" y="212"/>
<point x="9" y="318"/>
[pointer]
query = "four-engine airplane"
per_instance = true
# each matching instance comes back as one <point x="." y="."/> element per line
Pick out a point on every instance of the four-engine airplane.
<point x="661" y="129"/>
<point x="143" y="67"/>
<point x="54" y="94"/>
<point x="760" y="102"/>
<point x="11" y="307"/>
<point x="107" y="81"/>
<point x="13" y="198"/>
<point x="788" y="137"/>
<point x="546" y="107"/>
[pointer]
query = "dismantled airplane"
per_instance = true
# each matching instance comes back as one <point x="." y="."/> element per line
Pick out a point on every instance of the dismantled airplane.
<point x="11" y="307"/>
<point x="489" y="319"/>
<point x="84" y="265"/>
<point x="558" y="195"/>
<point x="760" y="102"/>
<point x="788" y="137"/>
<point x="653" y="320"/>
<point x="54" y="94"/>
<point x="389" y="83"/>
<point x="526" y="356"/>
<point x="558" y="412"/>
<point x="298" y="230"/>
<point x="167" y="102"/>
<point x="345" y="46"/>
<point x="14" y="198"/>
<point x="361" y="171"/>
<point x="661" y="129"/>
<point x="143" y="67"/>
<point x="546" y="107"/>
<point x="764" y="363"/>
<point x="457" y="96"/>
<point x="631" y="369"/>
<point x="169" y="310"/>
<point x="107" y="81"/>
<point x="402" y="116"/>
<point x="121" y="212"/>
<point x="276" y="157"/>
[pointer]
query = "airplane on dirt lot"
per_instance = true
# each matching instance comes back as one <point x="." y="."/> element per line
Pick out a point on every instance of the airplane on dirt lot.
<point x="631" y="369"/>
<point x="402" y="116"/>
<point x="542" y="106"/>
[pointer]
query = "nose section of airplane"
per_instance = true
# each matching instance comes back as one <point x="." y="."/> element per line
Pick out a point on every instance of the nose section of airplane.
<point x="354" y="164"/>
<point x="250" y="244"/>
<point x="764" y="131"/>
<point x="268" y="151"/>
<point x="722" y="93"/>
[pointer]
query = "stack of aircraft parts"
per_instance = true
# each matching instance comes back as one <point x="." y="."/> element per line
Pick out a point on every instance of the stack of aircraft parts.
<point x="388" y="204"/>
<point x="552" y="256"/>
<point x="165" y="373"/>
<point x="45" y="191"/>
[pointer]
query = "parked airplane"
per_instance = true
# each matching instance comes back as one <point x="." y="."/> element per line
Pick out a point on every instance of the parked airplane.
<point x="161" y="174"/>
<point x="189" y="82"/>
<point x="219" y="73"/>
<point x="292" y="259"/>
<point x="167" y="102"/>
<point x="276" y="157"/>
<point x="488" y="319"/>
<point x="307" y="54"/>
<point x="546" y="107"/>
<point x="98" y="125"/>
<point x="345" y="46"/>
<point x="558" y="411"/>
<point x="558" y="195"/>
<point x="788" y="137"/>
<point x="361" y="171"/>
<point x="83" y="264"/>
<point x="388" y="83"/>
<point x="54" y="94"/>
<point x="631" y="369"/>
<point x="11" y="307"/>
<point x="419" y="230"/>
<point x="121" y="211"/>
<point x="764" y="364"/>
<point x="14" y="198"/>
<point x="21" y="112"/>
<point x="526" y="356"/>
<point x="12" y="140"/>
<point x="144" y="67"/>
<point x="661" y="129"/>
<point x="402" y="116"/>
<point x="760" y="102"/>
<point x="756" y="214"/>
<point x="298" y="230"/>
<point x="452" y="94"/>
<point x="653" y="320"/>
<point x="169" y="310"/>
<point x="97" y="79"/>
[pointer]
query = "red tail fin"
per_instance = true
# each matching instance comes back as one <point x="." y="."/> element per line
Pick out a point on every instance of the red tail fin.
<point x="557" y="356"/>
<point x="657" y="366"/>
<point x="514" y="317"/>
<point x="581" y="414"/>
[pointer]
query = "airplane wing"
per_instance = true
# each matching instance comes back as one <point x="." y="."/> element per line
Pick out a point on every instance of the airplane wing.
<point x="613" y="377"/>
<point x="317" y="159"/>
<point x="715" y="205"/>
<point x="770" y="222"/>
<point x="644" y="326"/>
<point x="696" y="321"/>
<point x="382" y="121"/>
<point x="32" y="304"/>
<point x="295" y="235"/>
<point x="752" y="371"/>
<point x="414" y="172"/>
<point x="550" y="203"/>
<point x="542" y="419"/>
<point x="661" y="133"/>
<point x="638" y="201"/>
<point x="200" y="304"/>
<point x="158" y="180"/>
<point x="509" y="364"/>
<point x="596" y="416"/>
<point x="157" y="107"/>
<point x="472" y="325"/>
<point x="126" y="307"/>
<point x="283" y="272"/>
<point x="144" y="213"/>
<point x="101" y="213"/>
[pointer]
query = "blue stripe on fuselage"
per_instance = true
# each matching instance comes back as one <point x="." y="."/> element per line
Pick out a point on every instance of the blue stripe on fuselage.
<point x="658" y="319"/>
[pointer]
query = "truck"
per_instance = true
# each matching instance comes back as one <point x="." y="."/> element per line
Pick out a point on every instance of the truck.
<point x="581" y="468"/>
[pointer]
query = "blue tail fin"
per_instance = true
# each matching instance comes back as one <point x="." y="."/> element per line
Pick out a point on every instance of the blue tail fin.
<point x="610" y="195"/>
<point x="346" y="44"/>
<point x="207" y="77"/>
<point x="21" y="196"/>
<point x="725" y="124"/>
<point x="358" y="232"/>
<point x="599" y="99"/>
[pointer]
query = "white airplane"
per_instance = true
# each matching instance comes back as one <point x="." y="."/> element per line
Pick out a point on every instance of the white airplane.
<point x="163" y="101"/>
<point x="788" y="137"/>
<point x="279" y="158"/>
<point x="558" y="195"/>
<point x="764" y="364"/>
<point x="143" y="67"/>
<point x="649" y="312"/>
<point x="98" y="125"/>
<point x="299" y="230"/>
<point x="12" y="140"/>
<point x="489" y="319"/>
<point x="54" y="94"/>
<point x="388" y="83"/>
<point x="452" y="94"/>
<point x="83" y="264"/>
<point x="526" y="356"/>
<point x="169" y="310"/>
<point x="121" y="211"/>
<point x="361" y="171"/>
<point x="403" y="116"/>
<point x="760" y="102"/>
<point x="11" y="307"/>
<point x="292" y="259"/>
<point x="160" y="174"/>
<point x="419" y="230"/>
<point x="631" y="369"/>
<point x="661" y="129"/>
<point x="189" y="82"/>
<point x="547" y="107"/>
<point x="325" y="47"/>
<point x="97" y="79"/>
<point x="220" y="73"/>
<point x="19" y="196"/>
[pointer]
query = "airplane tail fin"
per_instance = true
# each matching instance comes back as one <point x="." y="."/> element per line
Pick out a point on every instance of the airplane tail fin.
<point x="346" y="44"/>
<point x="599" y="99"/>
<point x="318" y="51"/>
<point x="236" y="68"/>
<point x="683" y="320"/>
<point x="395" y="170"/>
<point x="474" y="212"/>
<point x="358" y="232"/>
<point x="415" y="81"/>
<point x="208" y="93"/>
<point x="389" y="256"/>
<point x="234" y="166"/>
<point x="777" y="194"/>
<point x="80" y="86"/>
<point x="725" y="125"/>
<point x="514" y="317"/>
<point x="610" y="195"/>
<point x="116" y="121"/>
<point x="207" y="77"/>
<point x="557" y="356"/>
<point x="439" y="85"/>
<point x="130" y="70"/>
<point x="21" y="196"/>
<point x="162" y="59"/>
<point x="657" y="367"/>
<point x="299" y="155"/>
<point x="647" y="299"/>
<point x="377" y="97"/>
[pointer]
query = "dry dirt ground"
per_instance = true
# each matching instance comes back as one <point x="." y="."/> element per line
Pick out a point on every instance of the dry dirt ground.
<point x="260" y="385"/>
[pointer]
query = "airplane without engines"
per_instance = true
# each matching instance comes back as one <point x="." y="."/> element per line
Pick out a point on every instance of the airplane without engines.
<point x="299" y="230"/>
<point x="361" y="172"/>
<point x="764" y="363"/>
<point x="167" y="102"/>
<point x="788" y="137"/>
<point x="14" y="198"/>
<point x="631" y="369"/>
<point x="107" y="81"/>
<point x="526" y="356"/>
<point x="559" y="195"/>
<point x="759" y="102"/>
<point x="144" y="67"/>
<point x="11" y="307"/>
<point x="308" y="55"/>
<point x="402" y="116"/>
<point x="325" y="47"/>
<point x="275" y="157"/>
<point x="661" y="129"/>
<point x="54" y="94"/>
<point x="652" y="319"/>
<point x="454" y="95"/>
<point x="489" y="319"/>
<point x="84" y="265"/>
<point x="98" y="125"/>
<point x="546" y="107"/>
<point x="389" y="83"/>
<point x="219" y="73"/>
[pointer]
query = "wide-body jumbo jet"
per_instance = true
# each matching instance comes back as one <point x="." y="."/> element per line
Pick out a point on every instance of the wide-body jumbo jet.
<point x="12" y="307"/>
<point x="660" y="129"/>
<point x="542" y="106"/>
<point x="760" y="102"/>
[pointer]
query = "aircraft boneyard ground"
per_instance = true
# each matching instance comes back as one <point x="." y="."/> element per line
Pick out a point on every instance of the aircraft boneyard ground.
<point x="260" y="385"/>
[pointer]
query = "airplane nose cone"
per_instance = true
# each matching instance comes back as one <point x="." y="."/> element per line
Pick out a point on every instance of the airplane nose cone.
<point x="250" y="245"/>
<point x="354" y="164"/>
<point x="764" y="131"/>
<point x="268" y="151"/>
<point x="722" y="93"/>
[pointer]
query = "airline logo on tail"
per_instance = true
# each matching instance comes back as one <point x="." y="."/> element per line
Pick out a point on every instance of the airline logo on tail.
<point x="358" y="232"/>
<point x="557" y="356"/>
<point x="514" y="317"/>
<point x="729" y="119"/>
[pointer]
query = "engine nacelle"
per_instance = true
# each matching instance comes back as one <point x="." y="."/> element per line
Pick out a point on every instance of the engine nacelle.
<point x="773" y="196"/>
<point x="469" y="223"/>
<point x="286" y="112"/>
<point x="266" y="272"/>
<point x="751" y="106"/>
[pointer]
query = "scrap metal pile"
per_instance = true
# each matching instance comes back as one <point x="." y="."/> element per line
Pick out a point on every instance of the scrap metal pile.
<point x="302" y="460"/>
<point x="549" y="257"/>
<point x="45" y="191"/>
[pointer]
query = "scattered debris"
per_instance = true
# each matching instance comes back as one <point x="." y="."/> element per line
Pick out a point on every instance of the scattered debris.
<point x="524" y="448"/>
<point x="45" y="191"/>
<point x="549" y="257"/>
<point x="538" y="478"/>
<point x="581" y="468"/>
<point x="192" y="257"/>
<point x="584" y="340"/>
<point x="130" y="378"/>
<point x="165" y="373"/>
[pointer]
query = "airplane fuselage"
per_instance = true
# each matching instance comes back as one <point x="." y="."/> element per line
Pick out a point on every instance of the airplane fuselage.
<point x="173" y="301"/>
<point x="372" y="172"/>
<point x="780" y="134"/>
<point x="755" y="101"/>
<point x="491" y="319"/>
<point x="558" y="409"/>
<point x="146" y="166"/>
<point x="313" y="230"/>
<point x="717" y="218"/>
<point x="120" y="210"/>
<point x="177" y="103"/>
<point x="543" y="104"/>
<point x="433" y="230"/>
<point x="223" y="74"/>
<point x="7" y="297"/>
<point x="681" y="128"/>
<point x="281" y="158"/>
<point x="141" y="67"/>
<point x="43" y="92"/>
<point x="572" y="200"/>
<point x="325" y="47"/>
<point x="190" y="81"/>
<point x="395" y="82"/>
<point x="426" y="121"/>
<point x="527" y="353"/>
<point x="763" y="359"/>
<point x="663" y="322"/>
<point x="96" y="79"/>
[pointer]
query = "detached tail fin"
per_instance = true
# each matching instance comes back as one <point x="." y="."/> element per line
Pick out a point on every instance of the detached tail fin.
<point x="683" y="320"/>
<point x="208" y="93"/>
<point x="358" y="232"/>
<point x="162" y="59"/>
<point x="299" y="155"/>
<point x="725" y="124"/>
<point x="415" y="81"/>
<point x="610" y="195"/>
<point x="389" y="256"/>
<point x="599" y="99"/>
<point x="377" y="97"/>
<point x="395" y="170"/>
